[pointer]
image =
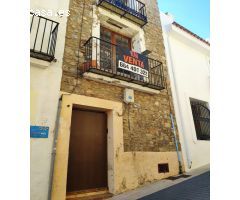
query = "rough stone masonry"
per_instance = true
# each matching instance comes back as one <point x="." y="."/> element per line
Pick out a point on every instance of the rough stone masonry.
<point x="147" y="124"/>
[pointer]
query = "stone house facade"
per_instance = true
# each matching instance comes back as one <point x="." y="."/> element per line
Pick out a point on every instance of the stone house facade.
<point x="139" y="137"/>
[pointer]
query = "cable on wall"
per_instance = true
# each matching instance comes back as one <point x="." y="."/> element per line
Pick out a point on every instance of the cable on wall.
<point x="79" y="46"/>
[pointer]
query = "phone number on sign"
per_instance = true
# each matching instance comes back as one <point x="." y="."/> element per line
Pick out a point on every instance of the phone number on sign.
<point x="133" y="68"/>
<point x="50" y="13"/>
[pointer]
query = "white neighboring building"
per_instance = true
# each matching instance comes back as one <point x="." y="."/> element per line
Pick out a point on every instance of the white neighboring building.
<point x="47" y="40"/>
<point x="188" y="59"/>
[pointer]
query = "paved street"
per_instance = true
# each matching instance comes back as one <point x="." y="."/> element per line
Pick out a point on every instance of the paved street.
<point x="196" y="188"/>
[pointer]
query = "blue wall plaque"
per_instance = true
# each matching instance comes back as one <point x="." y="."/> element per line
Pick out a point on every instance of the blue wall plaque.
<point x="39" y="131"/>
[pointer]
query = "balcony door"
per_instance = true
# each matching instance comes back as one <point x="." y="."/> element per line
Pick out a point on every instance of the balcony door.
<point x="111" y="45"/>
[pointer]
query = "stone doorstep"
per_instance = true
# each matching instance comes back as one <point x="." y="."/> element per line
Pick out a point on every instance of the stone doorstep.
<point x="98" y="193"/>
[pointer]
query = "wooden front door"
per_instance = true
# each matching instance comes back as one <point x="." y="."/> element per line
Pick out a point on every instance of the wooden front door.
<point x="87" y="163"/>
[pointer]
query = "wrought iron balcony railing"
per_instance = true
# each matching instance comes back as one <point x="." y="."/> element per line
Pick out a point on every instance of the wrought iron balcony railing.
<point x="133" y="10"/>
<point x="43" y="37"/>
<point x="105" y="58"/>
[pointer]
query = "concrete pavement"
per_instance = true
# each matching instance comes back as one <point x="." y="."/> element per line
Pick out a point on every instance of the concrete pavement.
<point x="196" y="188"/>
<point x="164" y="187"/>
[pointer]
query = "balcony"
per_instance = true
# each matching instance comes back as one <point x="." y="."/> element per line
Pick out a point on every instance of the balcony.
<point x="43" y="37"/>
<point x="133" y="10"/>
<point x="104" y="58"/>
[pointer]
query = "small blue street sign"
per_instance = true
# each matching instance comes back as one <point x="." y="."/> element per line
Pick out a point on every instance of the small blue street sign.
<point x="39" y="131"/>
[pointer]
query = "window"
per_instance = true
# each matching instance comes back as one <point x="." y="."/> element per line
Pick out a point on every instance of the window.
<point x="109" y="52"/>
<point x="201" y="117"/>
<point x="115" y="38"/>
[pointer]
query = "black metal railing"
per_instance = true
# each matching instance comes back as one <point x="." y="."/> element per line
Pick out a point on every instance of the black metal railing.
<point x="43" y="37"/>
<point x="201" y="117"/>
<point x="102" y="57"/>
<point x="132" y="9"/>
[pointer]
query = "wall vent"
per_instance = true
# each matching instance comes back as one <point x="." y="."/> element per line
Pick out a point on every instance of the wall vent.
<point x="163" y="168"/>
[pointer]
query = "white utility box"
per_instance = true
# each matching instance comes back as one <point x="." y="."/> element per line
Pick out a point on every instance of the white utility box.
<point x="128" y="95"/>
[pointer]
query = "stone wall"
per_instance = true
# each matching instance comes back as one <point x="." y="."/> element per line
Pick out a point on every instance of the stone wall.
<point x="147" y="125"/>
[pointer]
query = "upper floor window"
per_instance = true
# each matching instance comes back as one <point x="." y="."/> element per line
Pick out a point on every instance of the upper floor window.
<point x="115" y="38"/>
<point x="201" y="117"/>
<point x="111" y="46"/>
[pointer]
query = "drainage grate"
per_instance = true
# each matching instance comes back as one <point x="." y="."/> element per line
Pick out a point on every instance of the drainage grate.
<point x="177" y="177"/>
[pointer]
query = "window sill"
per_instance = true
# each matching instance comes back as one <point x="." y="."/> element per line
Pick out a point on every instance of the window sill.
<point x="39" y="63"/>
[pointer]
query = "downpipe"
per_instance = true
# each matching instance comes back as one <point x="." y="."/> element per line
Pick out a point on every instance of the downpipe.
<point x="176" y="144"/>
<point x="188" y="155"/>
<point x="54" y="148"/>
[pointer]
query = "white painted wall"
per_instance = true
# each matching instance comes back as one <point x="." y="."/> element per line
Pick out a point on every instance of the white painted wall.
<point x="45" y="90"/>
<point x="188" y="65"/>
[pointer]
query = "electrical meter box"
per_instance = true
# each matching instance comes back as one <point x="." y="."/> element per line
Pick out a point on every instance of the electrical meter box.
<point x="128" y="95"/>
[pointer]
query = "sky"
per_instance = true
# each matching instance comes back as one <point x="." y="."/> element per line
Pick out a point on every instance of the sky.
<point x="192" y="14"/>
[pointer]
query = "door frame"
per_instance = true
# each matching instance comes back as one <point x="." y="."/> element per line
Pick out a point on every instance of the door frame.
<point x="115" y="132"/>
